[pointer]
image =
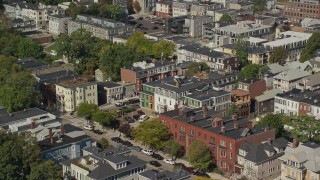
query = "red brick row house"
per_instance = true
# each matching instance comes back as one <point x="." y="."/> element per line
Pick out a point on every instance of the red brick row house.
<point x="222" y="135"/>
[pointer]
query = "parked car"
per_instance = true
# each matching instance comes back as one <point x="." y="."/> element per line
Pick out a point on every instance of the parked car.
<point x="129" y="119"/>
<point x="98" y="132"/>
<point x="155" y="27"/>
<point x="155" y="163"/>
<point x="127" y="143"/>
<point x="140" y="18"/>
<point x="88" y="127"/>
<point x="147" y="152"/>
<point x="143" y="118"/>
<point x="116" y="139"/>
<point x="184" y="167"/>
<point x="157" y="156"/>
<point x="140" y="112"/>
<point x="136" y="117"/>
<point x="133" y="101"/>
<point x="137" y="148"/>
<point x="72" y="112"/>
<point x="169" y="161"/>
<point x="119" y="104"/>
<point x="202" y="174"/>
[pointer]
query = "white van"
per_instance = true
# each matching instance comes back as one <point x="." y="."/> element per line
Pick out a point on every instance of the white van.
<point x="143" y="118"/>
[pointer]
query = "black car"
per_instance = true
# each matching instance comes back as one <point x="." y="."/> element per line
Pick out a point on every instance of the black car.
<point x="184" y="167"/>
<point x="202" y="174"/>
<point x="98" y="132"/>
<point x="140" y="18"/>
<point x="116" y="139"/>
<point x="139" y="25"/>
<point x="129" y="119"/>
<point x="155" y="163"/>
<point x="155" y="27"/>
<point x="136" y="117"/>
<point x="157" y="156"/>
<point x="127" y="143"/>
<point x="137" y="148"/>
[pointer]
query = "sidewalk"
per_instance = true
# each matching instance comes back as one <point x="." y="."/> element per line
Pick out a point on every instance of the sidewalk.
<point x="116" y="133"/>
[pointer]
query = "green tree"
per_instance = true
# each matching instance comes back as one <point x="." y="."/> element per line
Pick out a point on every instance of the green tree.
<point x="311" y="46"/>
<point x="45" y="170"/>
<point x="138" y="41"/>
<point x="259" y="6"/>
<point x="74" y="10"/>
<point x="151" y="133"/>
<point x="103" y="143"/>
<point x="173" y="148"/>
<point x="28" y="48"/>
<point x="19" y="152"/>
<point x="196" y="67"/>
<point x="126" y="129"/>
<point x="163" y="48"/>
<point x="199" y="155"/>
<point x="93" y="9"/>
<point x="252" y="70"/>
<point x="279" y="55"/>
<point x="305" y="128"/>
<point x="104" y="118"/>
<point x="241" y="50"/>
<point x="273" y="120"/>
<point x="17" y="86"/>
<point x="86" y="109"/>
<point x="233" y="109"/>
<point x="226" y="18"/>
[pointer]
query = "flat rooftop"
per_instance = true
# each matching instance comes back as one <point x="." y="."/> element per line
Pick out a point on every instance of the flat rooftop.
<point x="79" y="81"/>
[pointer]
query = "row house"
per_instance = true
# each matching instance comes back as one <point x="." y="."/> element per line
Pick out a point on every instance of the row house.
<point x="142" y="72"/>
<point x="109" y="163"/>
<point x="252" y="86"/>
<point x="222" y="35"/>
<point x="301" y="161"/>
<point x="24" y="25"/>
<point x="109" y="92"/>
<point x="241" y="99"/>
<point x="292" y="41"/>
<point x="70" y="93"/>
<point x="310" y="106"/>
<point x="260" y="161"/>
<point x="164" y="9"/>
<point x="289" y="102"/>
<point x="219" y="100"/>
<point x="287" y="80"/>
<point x="171" y="92"/>
<point x="222" y="135"/>
<point x="311" y="83"/>
<point x="265" y="102"/>
<point x="99" y="27"/>
<point x="58" y="24"/>
<point x="296" y="11"/>
<point x="180" y="8"/>
<point x="215" y="60"/>
<point x="36" y="12"/>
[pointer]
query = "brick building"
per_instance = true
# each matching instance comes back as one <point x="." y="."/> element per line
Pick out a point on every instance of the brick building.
<point x="222" y="135"/>
<point x="241" y="100"/>
<point x="297" y="10"/>
<point x="142" y="72"/>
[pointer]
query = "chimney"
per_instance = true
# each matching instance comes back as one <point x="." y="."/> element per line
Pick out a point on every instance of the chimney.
<point x="223" y="129"/>
<point x="266" y="129"/>
<point x="192" y="118"/>
<point x="204" y="111"/>
<point x="50" y="135"/>
<point x="62" y="129"/>
<point x="235" y="117"/>
<point x="33" y="124"/>
<point x="269" y="141"/>
<point x="177" y="84"/>
<point x="294" y="143"/>
<point x="165" y="109"/>
<point x="235" y="124"/>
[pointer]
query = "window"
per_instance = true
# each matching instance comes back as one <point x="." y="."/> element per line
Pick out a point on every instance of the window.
<point x="191" y="132"/>
<point x="230" y="145"/>
<point x="230" y="155"/>
<point x="163" y="121"/>
<point x="222" y="153"/>
<point x="222" y="143"/>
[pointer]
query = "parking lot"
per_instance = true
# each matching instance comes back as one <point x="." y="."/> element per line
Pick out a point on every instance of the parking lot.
<point x="148" y="24"/>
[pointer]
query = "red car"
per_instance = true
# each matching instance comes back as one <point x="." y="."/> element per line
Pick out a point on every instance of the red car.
<point x="140" y="113"/>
